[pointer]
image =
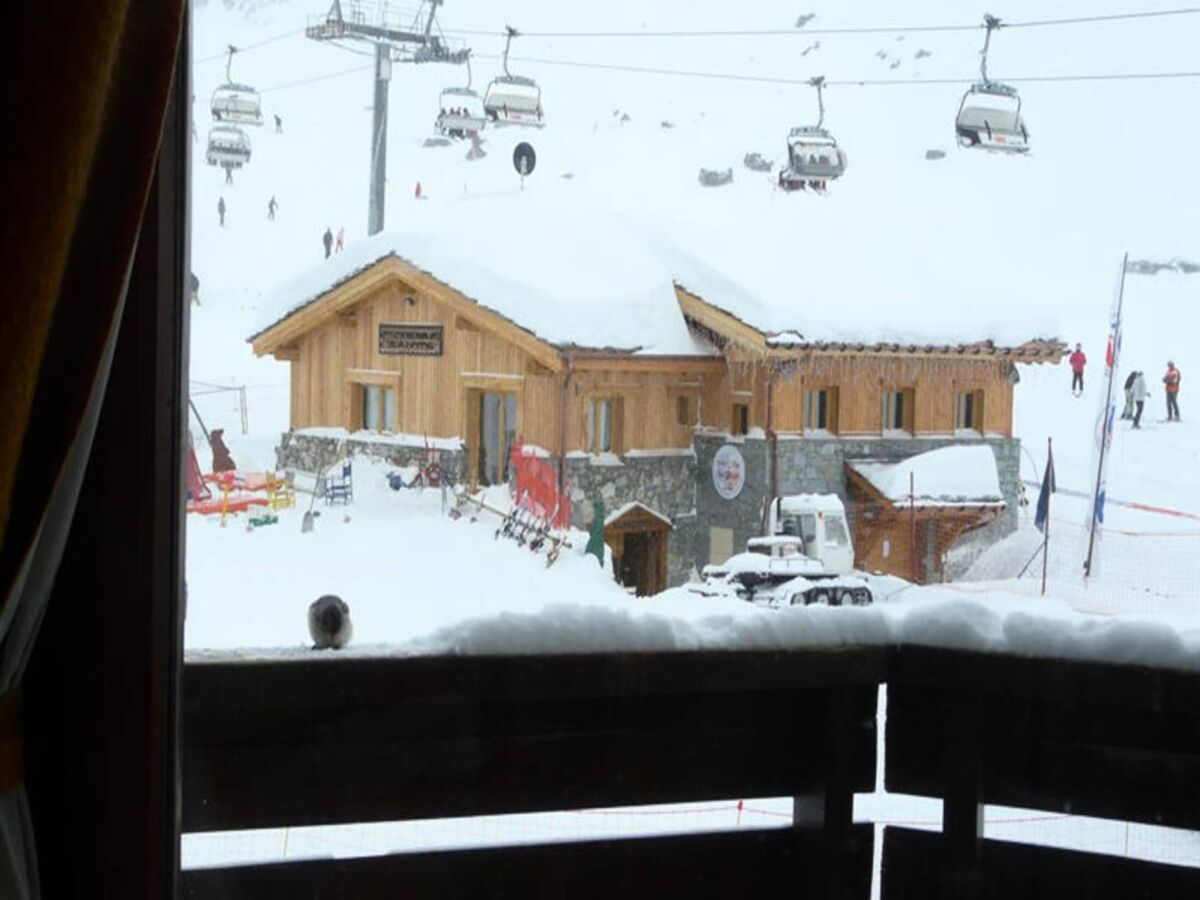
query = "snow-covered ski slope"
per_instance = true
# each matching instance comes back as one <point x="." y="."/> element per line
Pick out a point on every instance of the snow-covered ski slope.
<point x="973" y="245"/>
<point x="970" y="246"/>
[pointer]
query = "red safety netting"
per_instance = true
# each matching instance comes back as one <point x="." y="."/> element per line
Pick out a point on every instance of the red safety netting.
<point x="537" y="487"/>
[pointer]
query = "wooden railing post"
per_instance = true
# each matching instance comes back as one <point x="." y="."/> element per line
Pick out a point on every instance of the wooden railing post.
<point x="962" y="806"/>
<point x="829" y="811"/>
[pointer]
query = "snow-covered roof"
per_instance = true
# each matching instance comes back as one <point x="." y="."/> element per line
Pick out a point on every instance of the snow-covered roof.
<point x="572" y="278"/>
<point x="951" y="476"/>
<point x="630" y="507"/>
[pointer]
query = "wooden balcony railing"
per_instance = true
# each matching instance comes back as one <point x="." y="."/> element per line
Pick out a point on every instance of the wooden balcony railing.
<point x="325" y="741"/>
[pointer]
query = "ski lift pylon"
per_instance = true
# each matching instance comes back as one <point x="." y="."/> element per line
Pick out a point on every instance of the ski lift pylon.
<point x="513" y="99"/>
<point x="989" y="115"/>
<point x="237" y="103"/>
<point x="814" y="157"/>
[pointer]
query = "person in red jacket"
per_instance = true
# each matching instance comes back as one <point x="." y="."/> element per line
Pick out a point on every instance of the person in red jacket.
<point x="1171" y="380"/>
<point x="1077" y="360"/>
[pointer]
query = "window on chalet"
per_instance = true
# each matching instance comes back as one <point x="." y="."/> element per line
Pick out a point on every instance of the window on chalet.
<point x="898" y="408"/>
<point x="604" y="415"/>
<point x="820" y="409"/>
<point x="377" y="408"/>
<point x="968" y="411"/>
<point x="684" y="410"/>
<point x="741" y="418"/>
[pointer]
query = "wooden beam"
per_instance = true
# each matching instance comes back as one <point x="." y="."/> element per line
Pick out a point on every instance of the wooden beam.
<point x="686" y="365"/>
<point x="488" y="381"/>
<point x="415" y="731"/>
<point x="744" y="863"/>
<point x="723" y="323"/>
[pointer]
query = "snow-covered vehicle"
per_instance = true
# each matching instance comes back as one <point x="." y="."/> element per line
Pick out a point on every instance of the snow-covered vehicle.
<point x="808" y="558"/>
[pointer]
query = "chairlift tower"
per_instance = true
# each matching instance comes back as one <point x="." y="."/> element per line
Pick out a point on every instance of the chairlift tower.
<point x="394" y="41"/>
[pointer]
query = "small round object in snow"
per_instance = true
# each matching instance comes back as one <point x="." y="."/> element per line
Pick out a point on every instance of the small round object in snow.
<point x="329" y="623"/>
<point x="524" y="159"/>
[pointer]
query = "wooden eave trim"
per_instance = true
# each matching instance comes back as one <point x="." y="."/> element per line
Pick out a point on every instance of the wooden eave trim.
<point x="349" y="293"/>
<point x="862" y="484"/>
<point x="702" y="365"/>
<point x="473" y="311"/>
<point x="725" y="324"/>
<point x="361" y="286"/>
<point x="1048" y="354"/>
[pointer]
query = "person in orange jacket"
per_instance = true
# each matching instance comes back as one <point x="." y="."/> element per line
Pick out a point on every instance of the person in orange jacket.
<point x="1077" y="360"/>
<point x="1171" y="380"/>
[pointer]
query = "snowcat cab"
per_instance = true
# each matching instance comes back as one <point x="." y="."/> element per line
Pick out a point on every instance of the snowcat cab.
<point x="228" y="147"/>
<point x="806" y="558"/>
<point x="460" y="110"/>
<point x="236" y="103"/>
<point x="989" y="116"/>
<point x="814" y="157"/>
<point x="513" y="99"/>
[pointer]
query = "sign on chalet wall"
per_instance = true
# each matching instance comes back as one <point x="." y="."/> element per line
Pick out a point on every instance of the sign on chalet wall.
<point x="403" y="339"/>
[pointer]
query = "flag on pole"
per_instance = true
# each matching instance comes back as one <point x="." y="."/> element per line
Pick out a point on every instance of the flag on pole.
<point x="1048" y="487"/>
<point x="1106" y="417"/>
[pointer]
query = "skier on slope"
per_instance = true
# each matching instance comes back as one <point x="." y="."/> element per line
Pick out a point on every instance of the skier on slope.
<point x="221" y="210"/>
<point x="272" y="205"/>
<point x="1077" y="360"/>
<point x="1171" y="381"/>
<point x="327" y="240"/>
<point x="278" y="124"/>
<point x="1127" y="413"/>
<point x="1139" y="393"/>
<point x="341" y="239"/>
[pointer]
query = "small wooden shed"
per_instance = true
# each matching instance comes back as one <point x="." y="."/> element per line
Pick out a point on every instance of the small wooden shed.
<point x="908" y="514"/>
<point x="638" y="537"/>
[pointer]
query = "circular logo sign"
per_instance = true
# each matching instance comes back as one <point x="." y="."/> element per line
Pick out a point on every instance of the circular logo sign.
<point x="729" y="471"/>
<point x="524" y="159"/>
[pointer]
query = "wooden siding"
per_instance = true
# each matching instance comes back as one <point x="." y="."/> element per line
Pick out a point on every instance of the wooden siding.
<point x="433" y="390"/>
<point x="649" y="405"/>
<point x="861" y="381"/>
<point x="339" y="353"/>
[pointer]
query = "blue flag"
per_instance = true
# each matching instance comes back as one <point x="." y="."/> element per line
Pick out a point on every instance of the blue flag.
<point x="1048" y="488"/>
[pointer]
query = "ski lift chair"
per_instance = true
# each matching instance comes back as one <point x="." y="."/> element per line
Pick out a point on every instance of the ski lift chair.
<point x="461" y="113"/>
<point x="989" y="118"/>
<point x="228" y="147"/>
<point x="813" y="156"/>
<point x="237" y="103"/>
<point x="340" y="488"/>
<point x="514" y="100"/>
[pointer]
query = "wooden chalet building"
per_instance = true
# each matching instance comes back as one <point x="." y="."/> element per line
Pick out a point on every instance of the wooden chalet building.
<point x="657" y="396"/>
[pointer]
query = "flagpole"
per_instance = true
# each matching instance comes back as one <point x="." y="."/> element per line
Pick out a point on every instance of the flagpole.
<point x="1112" y="371"/>
<point x="1046" y="524"/>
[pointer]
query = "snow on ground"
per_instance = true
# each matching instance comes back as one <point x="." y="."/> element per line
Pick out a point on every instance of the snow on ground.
<point x="961" y="248"/>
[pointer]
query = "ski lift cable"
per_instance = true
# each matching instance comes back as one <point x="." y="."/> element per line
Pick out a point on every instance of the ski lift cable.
<point x="794" y="32"/>
<point x="224" y="53"/>
<point x="841" y="82"/>
<point x="766" y="79"/>
<point x="869" y="29"/>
